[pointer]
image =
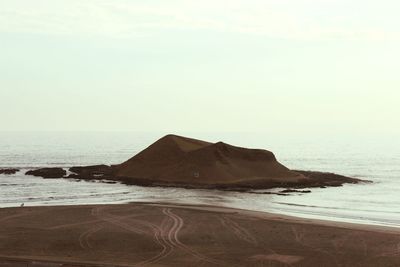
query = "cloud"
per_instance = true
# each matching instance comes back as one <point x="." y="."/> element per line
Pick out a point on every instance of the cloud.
<point x="285" y="19"/>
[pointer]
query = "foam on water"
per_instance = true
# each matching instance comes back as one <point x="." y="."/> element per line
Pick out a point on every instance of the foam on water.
<point x="376" y="203"/>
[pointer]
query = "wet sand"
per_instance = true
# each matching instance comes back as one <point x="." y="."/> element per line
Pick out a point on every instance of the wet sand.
<point x="179" y="235"/>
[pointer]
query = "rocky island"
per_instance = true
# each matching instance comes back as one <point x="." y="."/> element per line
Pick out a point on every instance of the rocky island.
<point x="185" y="162"/>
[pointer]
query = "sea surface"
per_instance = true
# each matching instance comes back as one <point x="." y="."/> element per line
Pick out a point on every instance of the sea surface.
<point x="372" y="158"/>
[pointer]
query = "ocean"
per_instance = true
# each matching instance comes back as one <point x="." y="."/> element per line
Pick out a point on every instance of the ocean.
<point x="371" y="158"/>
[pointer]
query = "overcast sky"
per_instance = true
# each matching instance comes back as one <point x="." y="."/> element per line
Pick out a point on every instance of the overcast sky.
<point x="182" y="65"/>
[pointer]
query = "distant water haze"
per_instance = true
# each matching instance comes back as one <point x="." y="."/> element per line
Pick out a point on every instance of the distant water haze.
<point x="376" y="159"/>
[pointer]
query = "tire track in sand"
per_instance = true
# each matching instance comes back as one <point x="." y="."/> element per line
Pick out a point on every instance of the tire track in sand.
<point x="84" y="237"/>
<point x="238" y="230"/>
<point x="166" y="249"/>
<point x="159" y="237"/>
<point x="116" y="220"/>
<point x="174" y="239"/>
<point x="60" y="226"/>
<point x="165" y="235"/>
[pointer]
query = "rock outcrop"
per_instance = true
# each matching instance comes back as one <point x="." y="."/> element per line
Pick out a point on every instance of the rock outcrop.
<point x="91" y="172"/>
<point x="8" y="171"/>
<point x="48" y="172"/>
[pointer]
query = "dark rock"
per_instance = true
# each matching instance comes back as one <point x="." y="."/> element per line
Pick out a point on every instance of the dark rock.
<point x="48" y="172"/>
<point x="73" y="176"/>
<point x="109" y="182"/>
<point x="8" y="171"/>
<point x="91" y="172"/>
<point x="325" y="179"/>
<point x="295" y="191"/>
<point x="266" y="193"/>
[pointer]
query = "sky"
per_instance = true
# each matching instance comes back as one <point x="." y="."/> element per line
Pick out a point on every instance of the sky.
<point x="283" y="66"/>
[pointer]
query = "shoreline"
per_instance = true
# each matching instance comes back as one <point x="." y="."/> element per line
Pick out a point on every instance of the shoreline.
<point x="279" y="216"/>
<point x="296" y="215"/>
<point x="276" y="216"/>
<point x="299" y="214"/>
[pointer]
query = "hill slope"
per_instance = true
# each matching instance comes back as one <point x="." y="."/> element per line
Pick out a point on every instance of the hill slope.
<point x="181" y="160"/>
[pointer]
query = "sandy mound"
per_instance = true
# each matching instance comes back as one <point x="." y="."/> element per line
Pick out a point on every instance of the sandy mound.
<point x="176" y="159"/>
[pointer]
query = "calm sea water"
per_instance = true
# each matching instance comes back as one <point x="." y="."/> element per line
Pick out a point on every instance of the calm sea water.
<point x="373" y="158"/>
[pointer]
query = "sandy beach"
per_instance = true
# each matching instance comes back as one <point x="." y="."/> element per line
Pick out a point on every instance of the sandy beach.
<point x="145" y="234"/>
